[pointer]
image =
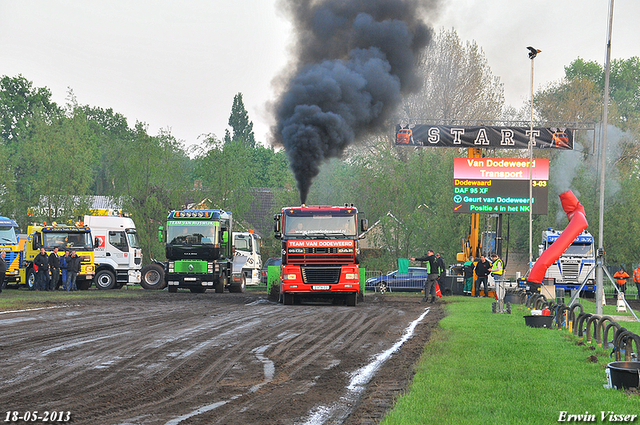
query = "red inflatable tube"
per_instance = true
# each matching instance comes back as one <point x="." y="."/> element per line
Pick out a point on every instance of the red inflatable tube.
<point x="577" y="223"/>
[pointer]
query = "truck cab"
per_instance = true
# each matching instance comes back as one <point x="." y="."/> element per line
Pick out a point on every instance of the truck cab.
<point x="247" y="251"/>
<point x="70" y="238"/>
<point x="118" y="256"/>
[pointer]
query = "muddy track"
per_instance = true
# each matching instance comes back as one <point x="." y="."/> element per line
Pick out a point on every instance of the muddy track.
<point x="208" y="358"/>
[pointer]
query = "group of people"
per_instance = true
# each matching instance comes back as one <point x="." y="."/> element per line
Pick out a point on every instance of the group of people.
<point x="435" y="270"/>
<point x="54" y="271"/>
<point x="483" y="268"/>
<point x="622" y="276"/>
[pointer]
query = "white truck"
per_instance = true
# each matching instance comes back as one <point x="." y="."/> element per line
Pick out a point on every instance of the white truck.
<point x="575" y="266"/>
<point x="118" y="256"/>
<point x="247" y="251"/>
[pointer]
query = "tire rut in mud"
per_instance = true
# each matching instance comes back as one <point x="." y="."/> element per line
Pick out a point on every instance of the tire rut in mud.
<point x="206" y="358"/>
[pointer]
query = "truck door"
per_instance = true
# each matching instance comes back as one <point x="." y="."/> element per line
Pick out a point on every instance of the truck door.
<point x="120" y="254"/>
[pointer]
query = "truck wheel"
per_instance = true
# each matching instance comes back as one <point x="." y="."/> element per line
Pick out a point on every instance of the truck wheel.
<point x="31" y="279"/>
<point x="84" y="285"/>
<point x="352" y="299"/>
<point x="152" y="277"/>
<point x="241" y="287"/>
<point x="274" y="292"/>
<point x="173" y="289"/>
<point x="220" y="285"/>
<point x="105" y="280"/>
<point x="288" y="299"/>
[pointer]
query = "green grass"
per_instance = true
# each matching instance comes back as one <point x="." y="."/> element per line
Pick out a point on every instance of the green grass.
<point x="481" y="368"/>
<point x="20" y="299"/>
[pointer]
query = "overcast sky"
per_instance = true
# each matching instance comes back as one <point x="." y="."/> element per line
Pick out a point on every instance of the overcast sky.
<point x="178" y="65"/>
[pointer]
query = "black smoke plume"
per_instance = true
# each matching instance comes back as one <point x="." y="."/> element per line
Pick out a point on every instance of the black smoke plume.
<point x="354" y="59"/>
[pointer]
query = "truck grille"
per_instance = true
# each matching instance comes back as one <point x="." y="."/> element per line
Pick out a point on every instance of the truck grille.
<point x="320" y="275"/>
<point x="570" y="271"/>
<point x="325" y="255"/>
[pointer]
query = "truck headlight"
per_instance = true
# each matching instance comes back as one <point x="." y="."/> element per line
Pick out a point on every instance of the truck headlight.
<point x="351" y="276"/>
<point x="289" y="277"/>
<point x="171" y="269"/>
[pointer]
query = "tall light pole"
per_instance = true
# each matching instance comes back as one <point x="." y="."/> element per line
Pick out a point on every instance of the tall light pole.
<point x="603" y="163"/>
<point x="532" y="55"/>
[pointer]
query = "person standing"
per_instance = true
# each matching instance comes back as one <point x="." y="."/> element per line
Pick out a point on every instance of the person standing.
<point x="482" y="270"/>
<point x="497" y="268"/>
<point x="54" y="268"/>
<point x="63" y="269"/>
<point x="42" y="276"/>
<point x="73" y="267"/>
<point x="636" y="279"/>
<point x="621" y="279"/>
<point x="3" y="270"/>
<point x="432" y="271"/>
<point x="442" y="270"/>
<point x="467" y="269"/>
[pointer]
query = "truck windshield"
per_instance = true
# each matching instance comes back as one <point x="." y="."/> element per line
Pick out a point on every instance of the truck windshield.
<point x="192" y="233"/>
<point x="78" y="241"/>
<point x="320" y="225"/>
<point x="132" y="237"/>
<point x="242" y="242"/>
<point x="580" y="250"/>
<point x="8" y="235"/>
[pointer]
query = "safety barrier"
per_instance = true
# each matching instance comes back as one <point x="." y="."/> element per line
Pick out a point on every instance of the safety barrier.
<point x="591" y="327"/>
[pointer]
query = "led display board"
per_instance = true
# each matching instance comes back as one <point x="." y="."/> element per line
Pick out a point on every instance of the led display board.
<point x="499" y="185"/>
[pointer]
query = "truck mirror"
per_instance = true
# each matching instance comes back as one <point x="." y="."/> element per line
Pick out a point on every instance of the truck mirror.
<point x="277" y="232"/>
<point x="364" y="225"/>
<point x="225" y="236"/>
<point x="96" y="242"/>
<point x="160" y="233"/>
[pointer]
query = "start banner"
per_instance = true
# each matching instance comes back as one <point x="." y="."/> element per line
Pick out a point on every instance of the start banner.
<point x="487" y="137"/>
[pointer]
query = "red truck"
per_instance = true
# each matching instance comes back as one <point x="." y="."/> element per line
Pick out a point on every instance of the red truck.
<point x="320" y="252"/>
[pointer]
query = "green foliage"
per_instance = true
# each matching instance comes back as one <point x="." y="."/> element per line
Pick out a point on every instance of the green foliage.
<point x="240" y="123"/>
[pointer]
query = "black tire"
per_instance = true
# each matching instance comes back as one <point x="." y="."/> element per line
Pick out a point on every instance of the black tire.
<point x="288" y="299"/>
<point x="352" y="299"/>
<point x="239" y="288"/>
<point x="83" y="285"/>
<point x="152" y="277"/>
<point x="382" y="287"/>
<point x="220" y="285"/>
<point x="200" y="290"/>
<point x="173" y="289"/>
<point x="31" y="279"/>
<point x="105" y="280"/>
<point x="274" y="292"/>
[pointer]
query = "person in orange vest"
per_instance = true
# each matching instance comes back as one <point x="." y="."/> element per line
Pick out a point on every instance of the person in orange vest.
<point x="636" y="279"/>
<point x="621" y="277"/>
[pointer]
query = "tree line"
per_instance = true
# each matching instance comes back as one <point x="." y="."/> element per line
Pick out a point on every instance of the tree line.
<point x="52" y="157"/>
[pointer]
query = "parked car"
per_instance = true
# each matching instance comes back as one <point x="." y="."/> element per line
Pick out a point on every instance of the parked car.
<point x="395" y="281"/>
<point x="265" y="267"/>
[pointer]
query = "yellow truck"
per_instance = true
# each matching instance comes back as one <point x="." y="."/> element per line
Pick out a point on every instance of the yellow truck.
<point x="76" y="238"/>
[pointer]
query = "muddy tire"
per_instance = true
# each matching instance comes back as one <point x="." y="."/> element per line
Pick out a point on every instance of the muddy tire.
<point x="152" y="277"/>
<point x="220" y="285"/>
<point x="352" y="299"/>
<point x="173" y="289"/>
<point x="241" y="287"/>
<point x="105" y="280"/>
<point x="288" y="299"/>
<point x="274" y="292"/>
<point x="83" y="285"/>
